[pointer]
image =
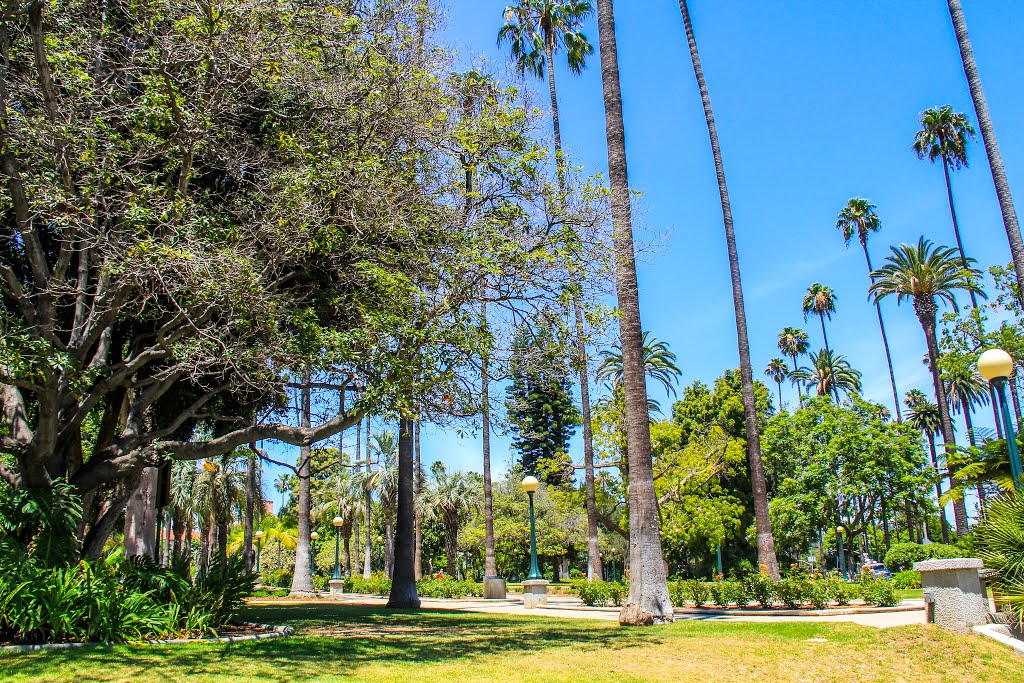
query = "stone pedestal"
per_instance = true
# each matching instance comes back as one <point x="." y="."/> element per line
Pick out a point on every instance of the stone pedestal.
<point x="535" y="593"/>
<point x="494" y="588"/>
<point x="336" y="585"/>
<point x="953" y="593"/>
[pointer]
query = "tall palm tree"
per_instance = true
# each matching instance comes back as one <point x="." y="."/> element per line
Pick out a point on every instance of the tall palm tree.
<point x="988" y="136"/>
<point x="348" y="501"/>
<point x="859" y="218"/>
<point x="765" y="540"/>
<point x="536" y="30"/>
<point x="829" y="373"/>
<point x="777" y="371"/>
<point x="929" y="275"/>
<point x="450" y="498"/>
<point x="924" y="416"/>
<point x="385" y="483"/>
<point x="648" y="600"/>
<point x="965" y="389"/>
<point x="182" y="503"/>
<point x="219" y="497"/>
<point x="820" y="300"/>
<point x="659" y="364"/>
<point x="793" y="343"/>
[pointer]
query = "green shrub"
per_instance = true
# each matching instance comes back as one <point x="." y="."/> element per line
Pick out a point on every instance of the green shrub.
<point x="725" y="592"/>
<point x="739" y="593"/>
<point x="447" y="588"/>
<point x="600" y="593"/>
<point x="999" y="540"/>
<point x="678" y="593"/>
<point x="760" y="588"/>
<point x="278" y="578"/>
<point x="942" y="551"/>
<point x="906" y="579"/>
<point x="902" y="556"/>
<point x="818" y="592"/>
<point x="377" y="584"/>
<point x="880" y="592"/>
<point x="698" y="591"/>
<point x="790" y="591"/>
<point x="321" y="582"/>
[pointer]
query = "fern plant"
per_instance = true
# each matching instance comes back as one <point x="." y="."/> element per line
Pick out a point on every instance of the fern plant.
<point x="999" y="540"/>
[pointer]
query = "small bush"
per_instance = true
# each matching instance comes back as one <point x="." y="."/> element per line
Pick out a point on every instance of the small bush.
<point x="791" y="591"/>
<point x="760" y="588"/>
<point x="698" y="591"/>
<point x="880" y="593"/>
<point x="447" y="588"/>
<point x="906" y="579"/>
<point x="599" y="593"/>
<point x="678" y="593"/>
<point x="739" y="593"/>
<point x="942" y="551"/>
<point x="278" y="578"/>
<point x="819" y="592"/>
<point x="902" y="556"/>
<point x="725" y="592"/>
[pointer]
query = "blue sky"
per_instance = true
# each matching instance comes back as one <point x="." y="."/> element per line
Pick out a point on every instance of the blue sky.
<point x="815" y="103"/>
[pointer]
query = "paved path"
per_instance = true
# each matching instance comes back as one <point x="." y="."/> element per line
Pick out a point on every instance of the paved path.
<point x="566" y="607"/>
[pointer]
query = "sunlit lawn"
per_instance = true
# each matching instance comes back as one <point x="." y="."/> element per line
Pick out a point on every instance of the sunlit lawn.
<point x="344" y="643"/>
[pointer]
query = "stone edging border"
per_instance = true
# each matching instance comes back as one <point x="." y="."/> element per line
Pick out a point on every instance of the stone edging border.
<point x="989" y="631"/>
<point x="273" y="632"/>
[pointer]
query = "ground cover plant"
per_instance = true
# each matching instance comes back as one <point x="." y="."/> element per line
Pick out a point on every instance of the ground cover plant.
<point x="345" y="643"/>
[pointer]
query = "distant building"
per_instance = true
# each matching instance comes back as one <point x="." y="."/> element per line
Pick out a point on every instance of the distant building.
<point x="268" y="506"/>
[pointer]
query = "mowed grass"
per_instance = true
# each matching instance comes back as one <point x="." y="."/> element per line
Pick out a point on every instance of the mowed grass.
<point x="345" y="643"/>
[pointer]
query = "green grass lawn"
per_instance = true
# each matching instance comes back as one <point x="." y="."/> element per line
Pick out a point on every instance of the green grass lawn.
<point x="343" y="643"/>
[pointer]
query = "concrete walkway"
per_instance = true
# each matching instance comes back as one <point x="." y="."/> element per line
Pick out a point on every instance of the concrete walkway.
<point x="566" y="607"/>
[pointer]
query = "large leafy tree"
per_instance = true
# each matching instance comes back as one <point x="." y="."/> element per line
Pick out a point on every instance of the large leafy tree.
<point x="859" y="219"/>
<point x="988" y="136"/>
<point x="765" y="541"/>
<point x="927" y="275"/>
<point x="540" y="408"/>
<point x="648" y="600"/>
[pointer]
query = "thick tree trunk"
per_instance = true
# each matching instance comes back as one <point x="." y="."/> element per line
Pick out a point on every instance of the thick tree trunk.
<point x="403" y="585"/>
<point x="451" y="541"/>
<point x="925" y="310"/>
<point x="988" y="136"/>
<point x="765" y="539"/>
<point x="302" y="578"/>
<point x="648" y="600"/>
<point x="140" y="517"/>
<point x="885" y="340"/>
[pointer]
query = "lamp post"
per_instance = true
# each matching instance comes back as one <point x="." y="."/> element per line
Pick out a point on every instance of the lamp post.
<point x="530" y="485"/>
<point x="259" y="546"/>
<point x="841" y="551"/>
<point x="718" y="558"/>
<point x="337" y="521"/>
<point x="613" y="563"/>
<point x="996" y="366"/>
<point x="313" y="536"/>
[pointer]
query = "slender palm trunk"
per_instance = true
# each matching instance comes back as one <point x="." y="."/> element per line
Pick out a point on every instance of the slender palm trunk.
<point x="926" y="310"/>
<point x="988" y="136"/>
<point x="302" y="578"/>
<point x="368" y="502"/>
<point x="403" y="585"/>
<point x="885" y="340"/>
<point x="389" y="544"/>
<point x="451" y="540"/>
<point x="250" y="506"/>
<point x="648" y="600"/>
<point x="938" y="489"/>
<point x="490" y="564"/>
<point x="780" y="395"/>
<point x="799" y="386"/>
<point x="593" y="549"/>
<point x="765" y="539"/>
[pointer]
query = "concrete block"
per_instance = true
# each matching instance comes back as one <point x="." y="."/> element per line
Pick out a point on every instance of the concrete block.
<point x="336" y="585"/>
<point x="954" y="593"/>
<point x="494" y="588"/>
<point x="535" y="593"/>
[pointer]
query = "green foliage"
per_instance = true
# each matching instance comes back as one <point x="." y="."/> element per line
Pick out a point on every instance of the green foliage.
<point x="278" y="578"/>
<point x="115" y="601"/>
<point x="39" y="526"/>
<point x="430" y="587"/>
<point x="902" y="556"/>
<point x="879" y="592"/>
<point x="698" y="592"/>
<point x="541" y="409"/>
<point x="725" y="592"/>
<point x="600" y="593"/>
<point x="1000" y="543"/>
<point x="377" y="584"/>
<point x="906" y="580"/>
<point x="943" y="551"/>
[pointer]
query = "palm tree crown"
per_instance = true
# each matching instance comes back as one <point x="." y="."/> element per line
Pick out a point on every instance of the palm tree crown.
<point x="777" y="371"/>
<point x="534" y="26"/>
<point x="819" y="301"/>
<point x="944" y="134"/>
<point x="793" y="342"/>
<point x="829" y="373"/>
<point x="659" y="364"/>
<point x="858" y="218"/>
<point x="924" y="273"/>
<point x="924" y="415"/>
<point x="965" y="389"/>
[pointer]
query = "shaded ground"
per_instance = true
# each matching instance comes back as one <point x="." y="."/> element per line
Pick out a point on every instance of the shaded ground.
<point x="337" y="642"/>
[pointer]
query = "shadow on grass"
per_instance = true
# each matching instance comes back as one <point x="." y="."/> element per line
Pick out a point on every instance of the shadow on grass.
<point x="339" y="639"/>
